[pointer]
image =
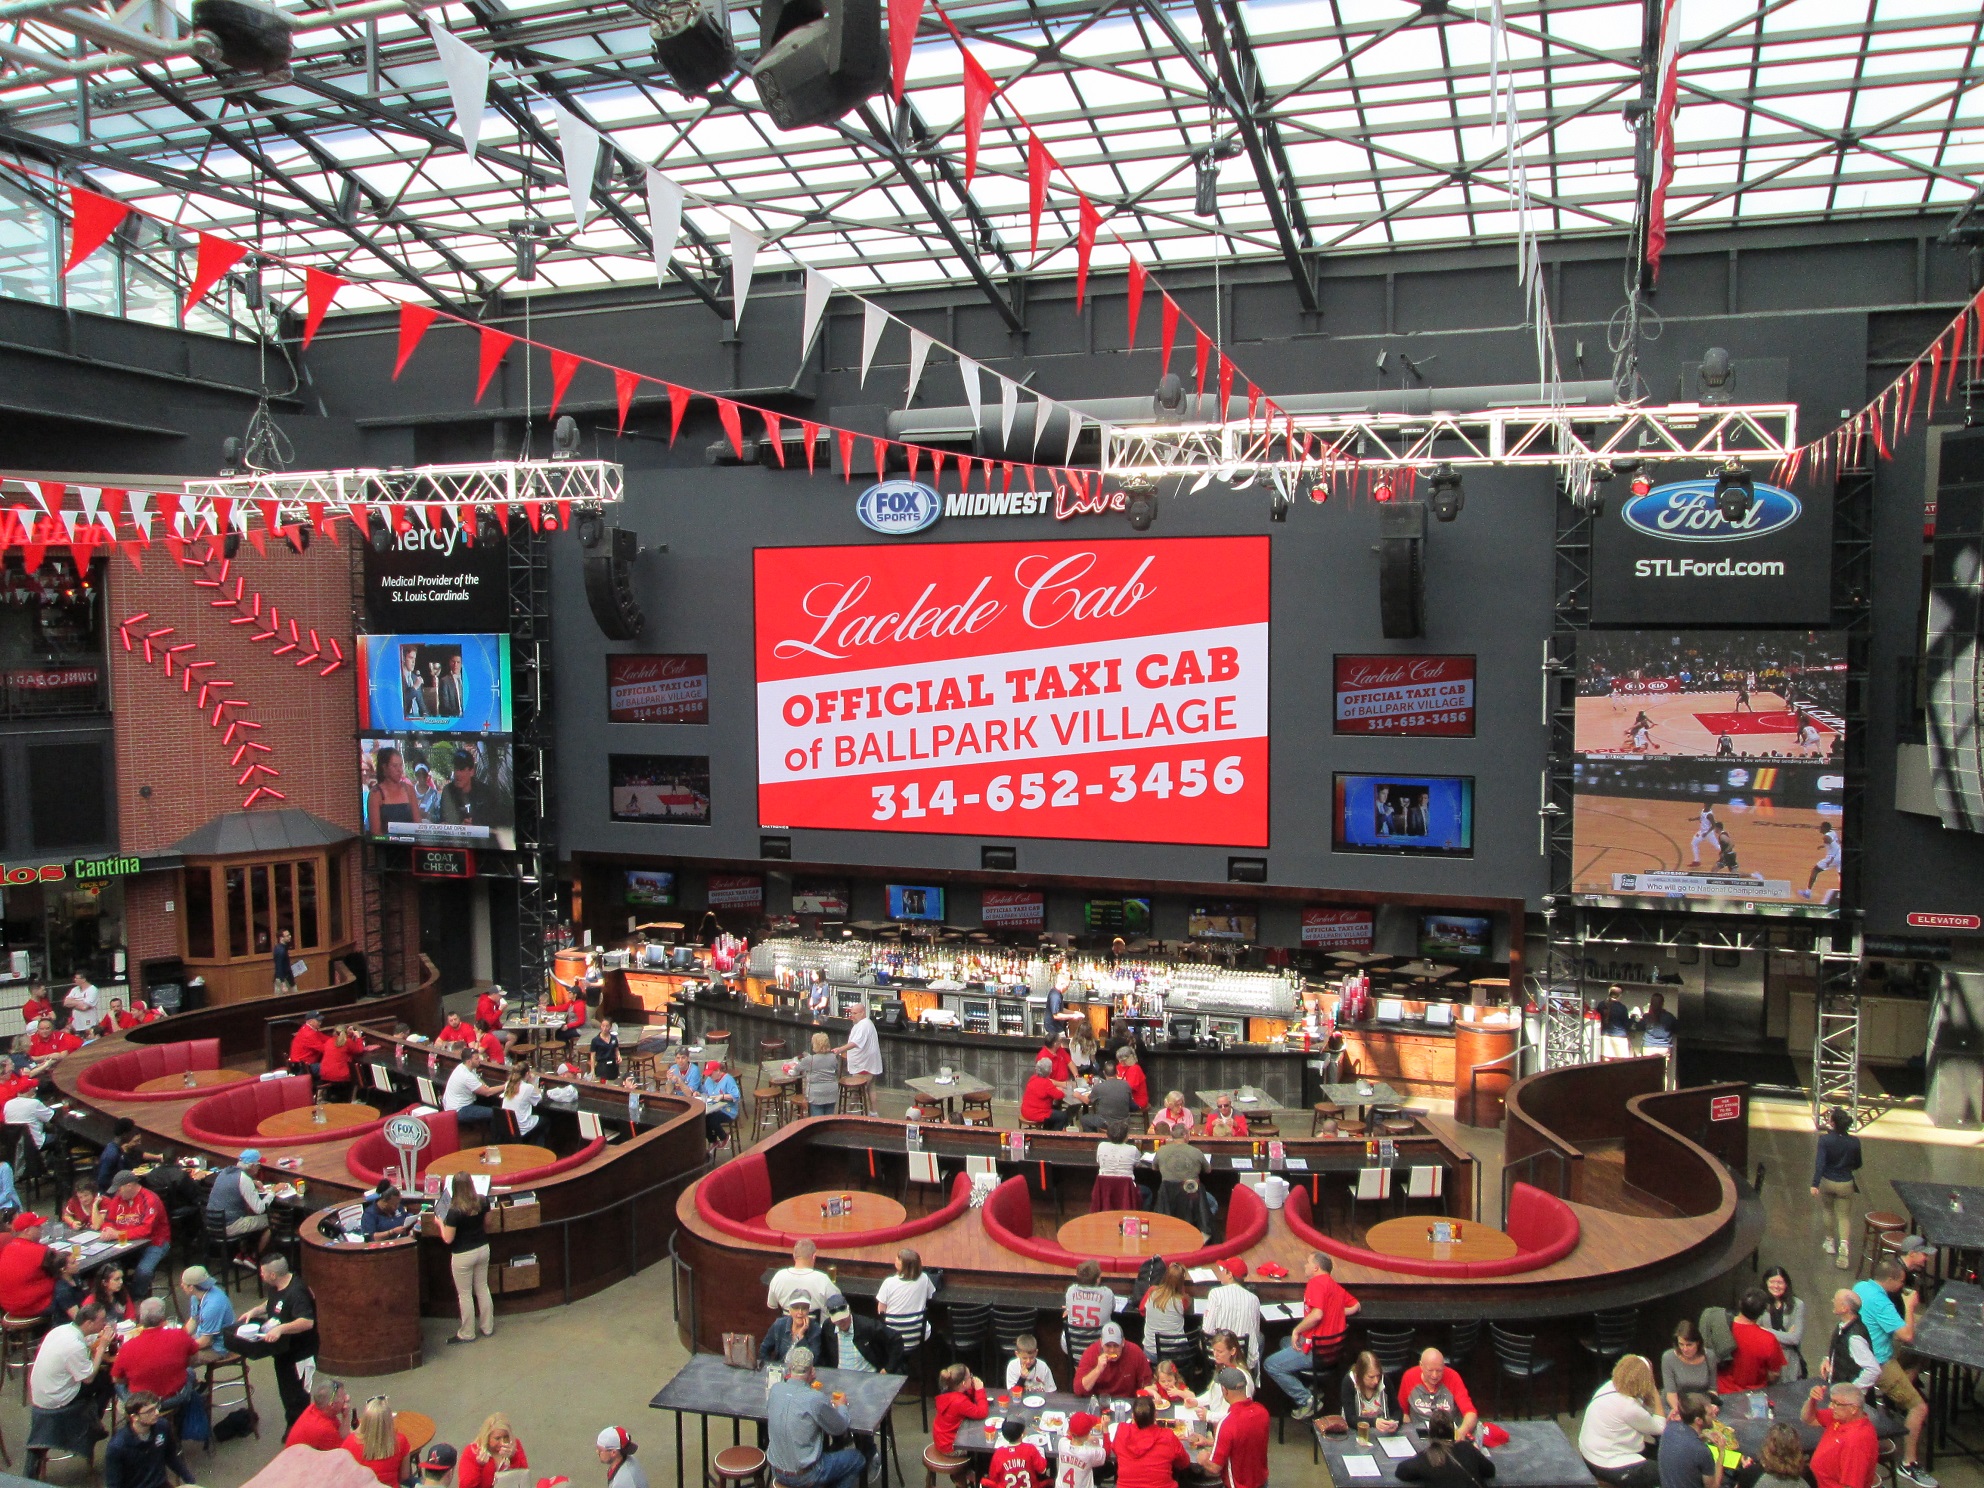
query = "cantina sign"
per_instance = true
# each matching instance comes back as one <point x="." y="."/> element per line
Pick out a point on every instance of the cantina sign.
<point x="1106" y="691"/>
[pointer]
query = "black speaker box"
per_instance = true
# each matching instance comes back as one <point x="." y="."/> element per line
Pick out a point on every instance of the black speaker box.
<point x="610" y="585"/>
<point x="1402" y="570"/>
<point x="819" y="58"/>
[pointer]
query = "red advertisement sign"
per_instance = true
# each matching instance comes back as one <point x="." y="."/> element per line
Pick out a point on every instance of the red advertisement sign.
<point x="1409" y="696"/>
<point x="51" y="679"/>
<point x="1112" y="690"/>
<point x="1014" y="907"/>
<point x="1337" y="929"/>
<point x="657" y="689"/>
<point x="736" y="891"/>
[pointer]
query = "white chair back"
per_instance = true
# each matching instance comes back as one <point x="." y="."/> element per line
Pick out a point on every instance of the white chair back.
<point x="589" y="1124"/>
<point x="426" y="1088"/>
<point x="923" y="1167"/>
<point x="1425" y="1182"/>
<point x="1374" y="1183"/>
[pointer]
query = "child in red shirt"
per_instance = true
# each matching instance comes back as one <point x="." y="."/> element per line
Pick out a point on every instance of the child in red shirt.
<point x="960" y="1398"/>
<point x="1017" y="1464"/>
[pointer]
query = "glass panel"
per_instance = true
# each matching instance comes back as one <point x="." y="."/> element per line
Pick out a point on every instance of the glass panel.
<point x="306" y="904"/>
<point x="286" y="900"/>
<point x="68" y="805"/>
<point x="261" y="911"/>
<point x="27" y="249"/>
<point x="148" y="296"/>
<point x="334" y="891"/>
<point x="237" y="911"/>
<point x="197" y="905"/>
<point x="92" y="284"/>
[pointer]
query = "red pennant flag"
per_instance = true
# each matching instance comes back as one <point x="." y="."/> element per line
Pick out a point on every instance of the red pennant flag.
<point x="414" y="321"/>
<point x="402" y="520"/>
<point x="678" y="404"/>
<point x="223" y="513"/>
<point x="881" y="448"/>
<point x="1038" y="163"/>
<point x="257" y="536"/>
<point x="846" y="441"/>
<point x="563" y="365"/>
<point x="52" y="493"/>
<point x="912" y="452"/>
<point x="1136" y="300"/>
<point x="319" y="289"/>
<point x="1006" y="466"/>
<point x="1090" y="220"/>
<point x="131" y="552"/>
<point x="732" y="424"/>
<point x="92" y="219"/>
<point x="811" y="433"/>
<point x="502" y="511"/>
<point x="168" y="511"/>
<point x="978" y="92"/>
<point x="269" y="514"/>
<point x="360" y="519"/>
<point x="1225" y="384"/>
<point x="903" y="18"/>
<point x="1202" y="348"/>
<point x="534" y="510"/>
<point x="1935" y="374"/>
<point x="489" y="356"/>
<point x="1167" y="333"/>
<point x="936" y="466"/>
<point x="216" y="257"/>
<point x="1253" y="401"/>
<point x="1032" y="478"/>
<point x="771" y="433"/>
<point x="565" y="515"/>
<point x="315" y="511"/>
<point x="437" y="516"/>
<point x="624" y="383"/>
<point x="1956" y="353"/>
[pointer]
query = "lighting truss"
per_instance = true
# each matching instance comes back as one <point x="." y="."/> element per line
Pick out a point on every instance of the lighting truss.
<point x="586" y="485"/>
<point x="1573" y="439"/>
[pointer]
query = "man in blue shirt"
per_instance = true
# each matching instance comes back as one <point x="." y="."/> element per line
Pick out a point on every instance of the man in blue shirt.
<point x="800" y="1422"/>
<point x="1686" y="1459"/>
<point x="1886" y="1326"/>
<point x="209" y="1310"/>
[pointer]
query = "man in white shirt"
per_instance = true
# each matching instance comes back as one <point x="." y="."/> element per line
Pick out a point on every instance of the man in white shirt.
<point x="64" y="1414"/>
<point x="800" y="1279"/>
<point x="83" y="1003"/>
<point x="864" y="1052"/>
<point x="1231" y="1306"/>
<point x="32" y="1110"/>
<point x="460" y="1095"/>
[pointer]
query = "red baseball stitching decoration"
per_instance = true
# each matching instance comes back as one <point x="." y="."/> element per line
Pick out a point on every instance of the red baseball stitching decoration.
<point x="162" y="651"/>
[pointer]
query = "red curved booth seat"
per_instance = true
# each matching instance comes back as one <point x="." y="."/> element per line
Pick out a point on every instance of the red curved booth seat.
<point x="230" y="1118"/>
<point x="1008" y="1217"/>
<point x="372" y="1157"/>
<point x="119" y="1076"/>
<point x="735" y="1197"/>
<point x="1543" y="1226"/>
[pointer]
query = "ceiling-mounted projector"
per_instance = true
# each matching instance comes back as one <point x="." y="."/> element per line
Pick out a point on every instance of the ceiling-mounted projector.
<point x="242" y="36"/>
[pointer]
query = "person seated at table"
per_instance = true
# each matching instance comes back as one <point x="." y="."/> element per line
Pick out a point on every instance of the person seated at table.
<point x="455" y="1035"/>
<point x="1174" y="1118"/>
<point x="1688" y="1456"/>
<point x="1086" y="1305"/>
<point x="1167" y="1386"/>
<point x="1431" y="1387"/>
<point x="1238" y="1448"/>
<point x="1131" y="1073"/>
<point x="1026" y="1371"/>
<point x="960" y="1397"/>
<point x="1365" y="1398"/>
<point x="1782" y="1458"/>
<point x="1166" y="1307"/>
<point x="323" y="1423"/>
<point x="239" y="1204"/>
<point x="907" y="1292"/>
<point x="119" y="1153"/>
<point x="467" y="1095"/>
<point x="725" y="1101"/>
<point x="1055" y="1051"/>
<point x="801" y="1423"/>
<point x="1016" y="1462"/>
<point x="574" y="1026"/>
<point x="683" y="1075"/>
<point x="1115" y="1184"/>
<point x="342" y="1050"/>
<point x="136" y="1016"/>
<point x="144" y="1447"/>
<point x="801" y="1279"/>
<point x="1620" y="1425"/>
<point x="489" y="1009"/>
<point x="1082" y="1449"/>
<point x="1110" y="1100"/>
<point x="72" y="1289"/>
<point x="1848" y="1454"/>
<point x="306" y="1046"/>
<point x="863" y="1345"/>
<point x="85" y="1208"/>
<point x="797" y="1327"/>
<point x="1181" y="1193"/>
<point x="1148" y="1453"/>
<point x="138" y="1215"/>
<point x="1111" y="1366"/>
<point x="27" y="1270"/>
<point x="493" y="1044"/>
<point x="437" y="1466"/>
<point x="112" y="1292"/>
<point x="1446" y="1460"/>
<point x="209" y="1310"/>
<point x="377" y="1443"/>
<point x="521" y="1098"/>
<point x="1082" y="1049"/>
<point x="386" y="1216"/>
<point x="1235" y="1122"/>
<point x="495" y="1450"/>
<point x="1688" y="1365"/>
<point x="1759" y="1358"/>
<point x="1327" y="1308"/>
<point x="48" y="1043"/>
<point x="1041" y="1096"/>
<point x="156" y="1359"/>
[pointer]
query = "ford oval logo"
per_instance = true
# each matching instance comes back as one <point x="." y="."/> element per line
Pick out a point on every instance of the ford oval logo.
<point x="897" y="508"/>
<point x="1685" y="512"/>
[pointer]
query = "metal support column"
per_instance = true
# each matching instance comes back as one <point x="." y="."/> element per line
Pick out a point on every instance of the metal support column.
<point x="536" y="859"/>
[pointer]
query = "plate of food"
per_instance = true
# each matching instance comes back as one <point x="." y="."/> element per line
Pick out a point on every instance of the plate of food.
<point x="1056" y="1421"/>
<point x="1033" y="1402"/>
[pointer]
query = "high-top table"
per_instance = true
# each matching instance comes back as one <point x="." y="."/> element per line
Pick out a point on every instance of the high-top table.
<point x="1951" y="1345"/>
<point x="706" y="1386"/>
<point x="1953" y="1231"/>
<point x="1783" y="1404"/>
<point x="1536" y="1455"/>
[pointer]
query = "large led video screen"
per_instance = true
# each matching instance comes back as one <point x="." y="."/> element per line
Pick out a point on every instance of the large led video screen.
<point x="453" y="684"/>
<point x="1710" y="771"/>
<point x="1429" y="815"/>
<point x="1113" y="690"/>
<point x="429" y="790"/>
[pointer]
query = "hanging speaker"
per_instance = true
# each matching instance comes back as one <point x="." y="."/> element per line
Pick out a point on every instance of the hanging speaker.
<point x="819" y="58"/>
<point x="609" y="565"/>
<point x="1401" y="569"/>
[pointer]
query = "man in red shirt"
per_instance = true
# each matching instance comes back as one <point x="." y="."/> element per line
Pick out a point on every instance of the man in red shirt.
<point x="47" y="1041"/>
<point x="1430" y="1389"/>
<point x="1239" y="1451"/>
<point x="38" y="1006"/>
<point x="454" y="1031"/>
<point x="1038" y="1100"/>
<point x="136" y="1213"/>
<point x="1848" y="1453"/>
<point x="157" y="1359"/>
<point x="1327" y="1310"/>
<point x="489" y="1009"/>
<point x="324" y="1422"/>
<point x="1759" y="1357"/>
<point x="306" y="1052"/>
<point x="1110" y="1367"/>
<point x="27" y="1287"/>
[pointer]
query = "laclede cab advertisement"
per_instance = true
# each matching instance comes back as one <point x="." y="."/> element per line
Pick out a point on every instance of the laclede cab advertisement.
<point x="1112" y="690"/>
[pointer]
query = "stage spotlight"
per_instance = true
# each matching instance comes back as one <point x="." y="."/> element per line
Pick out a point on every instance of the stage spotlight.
<point x="378" y="533"/>
<point x="1141" y="505"/>
<point x="487" y="528"/>
<point x="1319" y="491"/>
<point x="817" y="59"/>
<point x="1716" y="375"/>
<point x="565" y="437"/>
<point x="1381" y="490"/>
<point x="1278" y="504"/>
<point x="592" y="530"/>
<point x="1735" y="492"/>
<point x="1168" y="403"/>
<point x="230" y="456"/>
<point x="1447" y="498"/>
<point x="691" y="41"/>
<point x="243" y="36"/>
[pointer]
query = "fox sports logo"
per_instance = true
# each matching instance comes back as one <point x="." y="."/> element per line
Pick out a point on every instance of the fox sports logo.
<point x="1685" y="511"/>
<point x="896" y="508"/>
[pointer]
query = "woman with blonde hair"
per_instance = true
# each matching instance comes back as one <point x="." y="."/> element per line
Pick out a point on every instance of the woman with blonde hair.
<point x="378" y="1444"/>
<point x="1622" y="1422"/>
<point x="520" y="1099"/>
<point x="464" y="1229"/>
<point x="1175" y="1120"/>
<point x="820" y="1073"/>
<point x="494" y="1450"/>
<point x="1165" y="1308"/>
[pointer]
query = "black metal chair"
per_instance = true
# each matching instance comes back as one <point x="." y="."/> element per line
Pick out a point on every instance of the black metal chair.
<point x="1396" y="1349"/>
<point x="220" y="1259"/>
<point x="1516" y="1358"/>
<point x="1009" y="1324"/>
<point x="1462" y="1341"/>
<point x="1075" y="1342"/>
<point x="1611" y="1337"/>
<point x="910" y="1330"/>
<point x="967" y="1328"/>
<point x="1324" y="1356"/>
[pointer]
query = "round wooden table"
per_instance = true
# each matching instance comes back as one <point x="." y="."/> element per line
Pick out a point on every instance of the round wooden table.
<point x="1101" y="1234"/>
<point x="416" y="1427"/>
<point x="800" y="1215"/>
<point x="301" y="1122"/>
<point x="203" y="1080"/>
<point x="512" y="1157"/>
<point x="1405" y="1238"/>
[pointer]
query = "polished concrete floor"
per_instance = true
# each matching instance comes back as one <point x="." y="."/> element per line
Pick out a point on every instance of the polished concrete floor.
<point x="561" y="1375"/>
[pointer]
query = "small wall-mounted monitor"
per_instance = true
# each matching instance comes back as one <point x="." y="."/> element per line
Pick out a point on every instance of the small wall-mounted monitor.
<point x="1455" y="935"/>
<point x="916" y="902"/>
<point x="1235" y="922"/>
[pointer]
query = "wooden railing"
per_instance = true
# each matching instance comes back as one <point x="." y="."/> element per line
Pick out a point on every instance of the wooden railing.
<point x="1683" y="1146"/>
<point x="255" y="1026"/>
<point x="1557" y="1110"/>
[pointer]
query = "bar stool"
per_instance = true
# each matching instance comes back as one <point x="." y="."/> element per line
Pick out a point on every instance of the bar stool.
<point x="225" y="1371"/>
<point x="1351" y="1128"/>
<point x="768" y="1103"/>
<point x="737" y="1465"/>
<point x="854" y="1094"/>
<point x="1877" y="1226"/>
<point x="769" y="1049"/>
<point x="976" y="1110"/>
<point x="936" y="1464"/>
<point x="1326" y="1113"/>
<point x="716" y="1045"/>
<point x="19" y="1337"/>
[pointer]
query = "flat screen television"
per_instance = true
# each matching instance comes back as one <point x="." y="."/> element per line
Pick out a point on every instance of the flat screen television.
<point x="1445" y="935"/>
<point x="453" y="684"/>
<point x="1234" y="922"/>
<point x="1127" y="917"/>
<point x="1429" y="815"/>
<point x="430" y="790"/>
<point x="916" y="902"/>
<point x="650" y="886"/>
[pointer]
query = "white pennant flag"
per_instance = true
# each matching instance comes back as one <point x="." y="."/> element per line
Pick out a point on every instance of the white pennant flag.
<point x="1043" y="410"/>
<point x="744" y="245"/>
<point x="874" y="320"/>
<point x="1009" y="405"/>
<point x="578" y="144"/>
<point x="90" y="495"/>
<point x="968" y="375"/>
<point x="70" y="517"/>
<point x="142" y="520"/>
<point x="919" y="353"/>
<point x="467" y="72"/>
<point x="819" y="289"/>
<point x="664" y="221"/>
<point x="1074" y="433"/>
<point x="26" y="516"/>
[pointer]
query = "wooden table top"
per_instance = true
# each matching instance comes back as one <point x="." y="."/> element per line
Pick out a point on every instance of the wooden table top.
<point x="800" y="1214"/>
<point x="416" y="1427"/>
<point x="1247" y="1101"/>
<point x="203" y="1080"/>
<point x="512" y="1157"/>
<point x="1101" y="1234"/>
<point x="961" y="1084"/>
<point x="301" y="1122"/>
<point x="1405" y="1237"/>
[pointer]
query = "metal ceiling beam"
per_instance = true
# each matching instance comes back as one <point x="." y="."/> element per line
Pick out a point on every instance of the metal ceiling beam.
<point x="982" y="227"/>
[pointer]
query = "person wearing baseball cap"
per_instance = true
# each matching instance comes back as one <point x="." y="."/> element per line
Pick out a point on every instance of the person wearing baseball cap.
<point x="616" y="1450"/>
<point x="236" y="1202"/>
<point x="437" y="1466"/>
<point x="1082" y="1451"/>
<point x="27" y="1288"/>
<point x="1111" y="1367"/>
<point x="801" y="1425"/>
<point x="1233" y="1307"/>
<point x="1238" y="1451"/>
<point x="209" y="1309"/>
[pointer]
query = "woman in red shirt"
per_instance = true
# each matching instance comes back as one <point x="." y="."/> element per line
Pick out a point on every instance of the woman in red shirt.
<point x="1132" y="1075"/>
<point x="111" y="1294"/>
<point x="960" y="1398"/>
<point x="378" y="1444"/>
<point x="346" y="1045"/>
<point x="494" y="1450"/>
<point x="1147" y="1454"/>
